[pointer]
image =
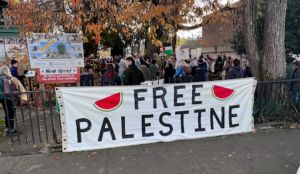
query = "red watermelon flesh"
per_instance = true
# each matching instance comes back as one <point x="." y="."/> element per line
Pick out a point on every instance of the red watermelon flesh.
<point x="222" y="93"/>
<point x="109" y="103"/>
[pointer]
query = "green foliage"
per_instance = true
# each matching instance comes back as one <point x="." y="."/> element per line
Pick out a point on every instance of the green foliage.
<point x="114" y="41"/>
<point x="292" y="33"/>
<point x="90" y="47"/>
<point x="238" y="44"/>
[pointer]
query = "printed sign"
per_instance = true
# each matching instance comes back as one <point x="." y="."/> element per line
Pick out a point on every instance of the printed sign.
<point x="196" y="53"/>
<point x="55" y="50"/>
<point x="59" y="75"/>
<point x="101" y="117"/>
<point x="182" y="54"/>
<point x="12" y="47"/>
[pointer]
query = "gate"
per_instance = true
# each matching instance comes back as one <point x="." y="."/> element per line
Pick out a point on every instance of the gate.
<point x="37" y="122"/>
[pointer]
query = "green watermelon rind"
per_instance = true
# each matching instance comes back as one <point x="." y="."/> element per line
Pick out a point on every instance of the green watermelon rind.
<point x="109" y="110"/>
<point x="213" y="93"/>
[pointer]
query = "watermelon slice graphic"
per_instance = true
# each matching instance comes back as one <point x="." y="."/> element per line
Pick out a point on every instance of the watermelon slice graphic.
<point x="109" y="103"/>
<point x="222" y="93"/>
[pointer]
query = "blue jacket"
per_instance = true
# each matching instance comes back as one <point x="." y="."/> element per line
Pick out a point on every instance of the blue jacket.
<point x="179" y="71"/>
<point x="202" y="71"/>
<point x="14" y="72"/>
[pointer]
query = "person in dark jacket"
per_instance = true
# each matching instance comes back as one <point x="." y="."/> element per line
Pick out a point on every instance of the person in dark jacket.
<point x="14" y="68"/>
<point x="169" y="71"/>
<point x="110" y="77"/>
<point x="295" y="86"/>
<point x="154" y="71"/>
<point x="219" y="65"/>
<point x="235" y="72"/>
<point x="86" y="78"/>
<point x="14" y="71"/>
<point x="145" y="69"/>
<point x="202" y="70"/>
<point x="133" y="75"/>
<point x="247" y="71"/>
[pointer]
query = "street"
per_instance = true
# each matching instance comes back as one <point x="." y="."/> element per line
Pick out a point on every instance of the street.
<point x="271" y="151"/>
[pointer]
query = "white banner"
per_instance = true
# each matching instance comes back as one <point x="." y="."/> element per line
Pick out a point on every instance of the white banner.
<point x="102" y="117"/>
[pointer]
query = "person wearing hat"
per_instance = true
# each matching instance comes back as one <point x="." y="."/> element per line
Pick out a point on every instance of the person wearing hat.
<point x="14" y="71"/>
<point x="14" y="68"/>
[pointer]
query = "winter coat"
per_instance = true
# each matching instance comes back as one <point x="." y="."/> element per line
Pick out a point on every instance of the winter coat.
<point x="179" y="72"/>
<point x="202" y="71"/>
<point x="146" y="72"/>
<point x="219" y="66"/>
<point x="295" y="75"/>
<point x="111" y="80"/>
<point x="235" y="73"/>
<point x="169" y="73"/>
<point x="14" y="72"/>
<point x="159" y="63"/>
<point x="122" y="67"/>
<point x="247" y="72"/>
<point x="154" y="72"/>
<point x="133" y="76"/>
<point x="295" y="86"/>
<point x="86" y="79"/>
<point x="15" y="84"/>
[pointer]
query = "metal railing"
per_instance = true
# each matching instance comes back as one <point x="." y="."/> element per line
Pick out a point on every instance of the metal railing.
<point x="37" y="121"/>
<point x="277" y="101"/>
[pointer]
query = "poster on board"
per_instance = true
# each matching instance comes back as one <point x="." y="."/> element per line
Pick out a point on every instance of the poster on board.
<point x="59" y="50"/>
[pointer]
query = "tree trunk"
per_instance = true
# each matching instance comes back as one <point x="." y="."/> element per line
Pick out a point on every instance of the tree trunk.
<point x="274" y="49"/>
<point x="253" y="53"/>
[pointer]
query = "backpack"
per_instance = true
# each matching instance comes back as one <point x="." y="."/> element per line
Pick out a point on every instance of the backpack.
<point x="7" y="86"/>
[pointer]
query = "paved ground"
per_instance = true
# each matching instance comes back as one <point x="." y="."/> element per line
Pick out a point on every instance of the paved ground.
<point x="274" y="151"/>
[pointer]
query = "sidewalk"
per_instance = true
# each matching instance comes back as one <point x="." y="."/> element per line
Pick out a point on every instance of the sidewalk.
<point x="273" y="151"/>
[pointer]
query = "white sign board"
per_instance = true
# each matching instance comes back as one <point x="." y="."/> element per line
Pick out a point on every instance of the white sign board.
<point x="182" y="54"/>
<point x="97" y="118"/>
<point x="55" y="50"/>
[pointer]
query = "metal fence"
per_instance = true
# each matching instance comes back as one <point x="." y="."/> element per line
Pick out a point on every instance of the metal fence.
<point x="277" y="101"/>
<point x="37" y="121"/>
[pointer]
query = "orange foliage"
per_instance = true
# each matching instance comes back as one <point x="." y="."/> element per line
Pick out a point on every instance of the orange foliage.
<point x="126" y="18"/>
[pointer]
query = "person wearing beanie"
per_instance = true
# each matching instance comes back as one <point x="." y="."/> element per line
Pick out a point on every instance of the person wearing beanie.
<point x="14" y="68"/>
<point x="14" y="71"/>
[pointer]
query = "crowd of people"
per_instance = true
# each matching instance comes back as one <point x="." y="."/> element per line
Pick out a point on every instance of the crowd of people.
<point x="135" y="69"/>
